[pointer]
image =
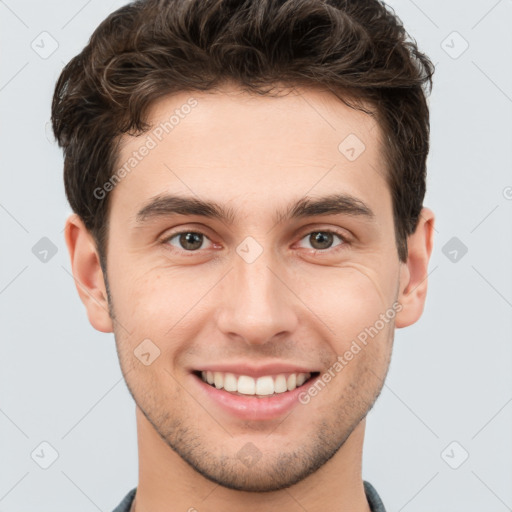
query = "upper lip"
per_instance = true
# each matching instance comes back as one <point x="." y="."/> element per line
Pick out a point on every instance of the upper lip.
<point x="252" y="370"/>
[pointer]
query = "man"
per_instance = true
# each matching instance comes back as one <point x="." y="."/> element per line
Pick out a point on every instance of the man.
<point x="247" y="180"/>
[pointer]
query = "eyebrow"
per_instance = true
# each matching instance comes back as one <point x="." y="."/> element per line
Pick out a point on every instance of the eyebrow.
<point x="333" y="204"/>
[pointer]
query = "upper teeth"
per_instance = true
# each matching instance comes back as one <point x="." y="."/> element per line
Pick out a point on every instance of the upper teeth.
<point x="266" y="385"/>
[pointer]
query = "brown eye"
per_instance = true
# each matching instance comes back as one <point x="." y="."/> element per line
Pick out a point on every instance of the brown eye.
<point x="188" y="240"/>
<point x="322" y="240"/>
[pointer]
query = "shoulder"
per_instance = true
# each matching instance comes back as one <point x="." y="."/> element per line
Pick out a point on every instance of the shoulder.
<point x="373" y="498"/>
<point x="126" y="503"/>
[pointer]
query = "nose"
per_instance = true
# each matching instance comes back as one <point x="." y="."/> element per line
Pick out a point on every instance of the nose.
<point x="256" y="304"/>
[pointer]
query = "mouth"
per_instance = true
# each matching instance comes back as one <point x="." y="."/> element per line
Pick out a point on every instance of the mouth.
<point x="266" y="386"/>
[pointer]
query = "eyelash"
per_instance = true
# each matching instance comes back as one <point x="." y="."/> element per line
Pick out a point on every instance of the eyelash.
<point x="335" y="248"/>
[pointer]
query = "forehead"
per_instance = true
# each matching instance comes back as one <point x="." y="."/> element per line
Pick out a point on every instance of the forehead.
<point x="253" y="149"/>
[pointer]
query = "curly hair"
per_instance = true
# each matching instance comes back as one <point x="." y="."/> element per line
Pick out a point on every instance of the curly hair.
<point x="357" y="49"/>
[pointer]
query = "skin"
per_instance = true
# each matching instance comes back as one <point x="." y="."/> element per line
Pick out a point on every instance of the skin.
<point x="253" y="154"/>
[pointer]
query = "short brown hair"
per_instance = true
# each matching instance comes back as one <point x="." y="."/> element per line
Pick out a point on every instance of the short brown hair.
<point x="357" y="49"/>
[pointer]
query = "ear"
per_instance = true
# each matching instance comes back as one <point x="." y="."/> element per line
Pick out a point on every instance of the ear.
<point x="414" y="272"/>
<point x="85" y="265"/>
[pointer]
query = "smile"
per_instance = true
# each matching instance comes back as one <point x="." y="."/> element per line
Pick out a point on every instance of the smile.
<point x="263" y="386"/>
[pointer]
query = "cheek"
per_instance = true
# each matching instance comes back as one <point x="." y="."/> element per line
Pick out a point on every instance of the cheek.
<point x="140" y="289"/>
<point x="347" y="300"/>
<point x="165" y="305"/>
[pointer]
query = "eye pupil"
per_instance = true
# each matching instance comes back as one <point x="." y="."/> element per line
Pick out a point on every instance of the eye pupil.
<point x="191" y="241"/>
<point x="321" y="237"/>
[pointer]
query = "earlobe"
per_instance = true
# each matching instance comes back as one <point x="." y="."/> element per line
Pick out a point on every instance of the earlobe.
<point x="87" y="272"/>
<point x="414" y="272"/>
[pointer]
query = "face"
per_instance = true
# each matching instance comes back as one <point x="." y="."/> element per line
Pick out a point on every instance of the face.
<point x="290" y="262"/>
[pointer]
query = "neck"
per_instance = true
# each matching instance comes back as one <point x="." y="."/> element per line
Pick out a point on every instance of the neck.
<point x="166" y="480"/>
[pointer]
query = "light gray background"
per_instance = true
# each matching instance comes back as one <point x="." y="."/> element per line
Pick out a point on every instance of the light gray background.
<point x="450" y="377"/>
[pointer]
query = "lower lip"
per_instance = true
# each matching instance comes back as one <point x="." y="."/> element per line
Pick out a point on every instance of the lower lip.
<point x="251" y="407"/>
